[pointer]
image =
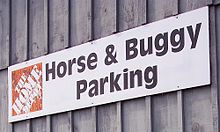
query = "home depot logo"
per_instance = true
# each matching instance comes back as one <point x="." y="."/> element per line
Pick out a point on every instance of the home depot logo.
<point x="27" y="89"/>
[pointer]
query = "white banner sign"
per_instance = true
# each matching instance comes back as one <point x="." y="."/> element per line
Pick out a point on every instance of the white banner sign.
<point x="163" y="56"/>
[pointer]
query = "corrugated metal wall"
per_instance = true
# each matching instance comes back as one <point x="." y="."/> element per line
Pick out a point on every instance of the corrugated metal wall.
<point x="32" y="28"/>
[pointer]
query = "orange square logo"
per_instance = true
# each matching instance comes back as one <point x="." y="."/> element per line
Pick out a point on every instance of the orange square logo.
<point x="27" y="89"/>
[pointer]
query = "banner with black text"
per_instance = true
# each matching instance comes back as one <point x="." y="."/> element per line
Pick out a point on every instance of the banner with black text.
<point x="163" y="56"/>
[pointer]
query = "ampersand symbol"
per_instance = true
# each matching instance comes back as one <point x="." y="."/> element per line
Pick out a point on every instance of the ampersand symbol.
<point x="110" y="58"/>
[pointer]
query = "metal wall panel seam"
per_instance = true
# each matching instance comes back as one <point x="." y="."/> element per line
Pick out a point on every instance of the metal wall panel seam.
<point x="48" y="123"/>
<point x="68" y="45"/>
<point x="4" y="31"/>
<point x="81" y="22"/>
<point x="48" y="118"/>
<point x="104" y="18"/>
<point x="10" y="32"/>
<point x="119" y="118"/>
<point x="180" y="111"/>
<point x="94" y="109"/>
<point x="94" y="117"/>
<point x="148" y="113"/>
<point x="70" y="116"/>
<point x="148" y="102"/>
<point x="58" y="25"/>
<point x="214" y="68"/>
<point x="28" y="125"/>
<point x="46" y="18"/>
<point x="210" y="2"/>
<point x="19" y="42"/>
<point x="69" y="24"/>
<point x="28" y="122"/>
<point x="48" y="26"/>
<point x="5" y="126"/>
<point x="92" y="20"/>
<point x="118" y="105"/>
<point x="160" y="9"/>
<point x="180" y="99"/>
<point x="188" y="5"/>
<point x="10" y="45"/>
<point x="38" y="33"/>
<point x="28" y="29"/>
<point x="216" y="2"/>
